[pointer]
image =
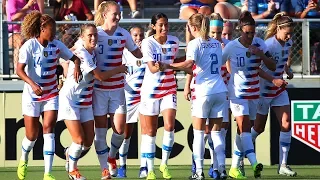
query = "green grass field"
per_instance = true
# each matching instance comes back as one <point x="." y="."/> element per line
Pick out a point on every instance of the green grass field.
<point x="178" y="172"/>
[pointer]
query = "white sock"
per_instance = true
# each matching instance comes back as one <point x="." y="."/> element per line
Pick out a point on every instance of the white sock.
<point x="218" y="147"/>
<point x="254" y="134"/>
<point x="150" y="151"/>
<point x="167" y="143"/>
<point x="213" y="156"/>
<point x="238" y="152"/>
<point x="48" y="151"/>
<point x="116" y="141"/>
<point x="246" y="141"/>
<point x="27" y="145"/>
<point x="198" y="150"/>
<point x="100" y="144"/>
<point x="284" y="144"/>
<point x="74" y="154"/>
<point x="143" y="158"/>
<point x="123" y="151"/>
<point x="223" y="132"/>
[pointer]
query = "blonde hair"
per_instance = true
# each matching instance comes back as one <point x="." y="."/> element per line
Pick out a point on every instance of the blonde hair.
<point x="280" y="21"/>
<point x="33" y="22"/>
<point x="216" y="16"/>
<point x="103" y="7"/>
<point x="201" y="22"/>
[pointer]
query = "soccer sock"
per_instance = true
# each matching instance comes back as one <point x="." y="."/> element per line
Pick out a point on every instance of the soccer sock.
<point x="48" y="151"/>
<point x="167" y="143"/>
<point x="100" y="144"/>
<point x="254" y="134"/>
<point x="198" y="150"/>
<point x="223" y="132"/>
<point x="74" y="154"/>
<point x="213" y="157"/>
<point x="123" y="151"/>
<point x="284" y="144"/>
<point x="246" y="141"/>
<point x="238" y="152"/>
<point x="27" y="145"/>
<point x="218" y="148"/>
<point x="116" y="141"/>
<point x="143" y="160"/>
<point x="150" y="149"/>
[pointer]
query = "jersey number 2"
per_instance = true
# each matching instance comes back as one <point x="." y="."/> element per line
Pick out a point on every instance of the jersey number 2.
<point x="214" y="61"/>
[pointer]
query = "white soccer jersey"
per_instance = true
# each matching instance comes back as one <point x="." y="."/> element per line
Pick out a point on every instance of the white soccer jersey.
<point x="109" y="56"/>
<point x="244" y="81"/>
<point x="207" y="56"/>
<point x="80" y="94"/>
<point x="41" y="64"/>
<point x="280" y="54"/>
<point x="224" y="72"/>
<point x="134" y="78"/>
<point x="159" y="84"/>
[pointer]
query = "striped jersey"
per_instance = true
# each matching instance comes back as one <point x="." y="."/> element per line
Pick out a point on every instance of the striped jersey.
<point x="109" y="56"/>
<point x="162" y="83"/>
<point x="80" y="94"/>
<point x="244" y="80"/>
<point x="134" y="77"/>
<point x="41" y="64"/>
<point x="280" y="54"/>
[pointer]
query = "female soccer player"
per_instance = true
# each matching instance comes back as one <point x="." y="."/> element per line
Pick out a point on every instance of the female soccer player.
<point x="244" y="56"/>
<point x="75" y="99"/>
<point x="37" y="67"/>
<point x="134" y="78"/>
<point x="158" y="92"/>
<point x="279" y="43"/>
<point x="108" y="96"/>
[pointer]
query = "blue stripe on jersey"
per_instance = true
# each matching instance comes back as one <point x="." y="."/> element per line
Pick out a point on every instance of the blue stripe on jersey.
<point x="285" y="59"/>
<point x="137" y="85"/>
<point x="140" y="77"/>
<point x="255" y="61"/>
<point x="118" y="34"/>
<point x="250" y="75"/>
<point x="133" y="93"/>
<point x="171" y="42"/>
<point x="168" y="57"/>
<point x="115" y="49"/>
<point x="50" y="45"/>
<point x="280" y="66"/>
<point x="51" y="60"/>
<point x="257" y="45"/>
<point x="277" y="74"/>
<point x="252" y="68"/>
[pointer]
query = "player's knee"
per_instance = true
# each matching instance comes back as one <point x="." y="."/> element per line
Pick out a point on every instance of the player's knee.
<point x="48" y="127"/>
<point x="169" y="127"/>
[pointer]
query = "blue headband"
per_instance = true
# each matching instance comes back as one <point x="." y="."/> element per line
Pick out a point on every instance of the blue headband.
<point x="217" y="23"/>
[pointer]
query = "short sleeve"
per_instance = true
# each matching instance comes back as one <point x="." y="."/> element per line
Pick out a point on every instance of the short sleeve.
<point x="65" y="52"/>
<point x="253" y="6"/>
<point x="130" y="45"/>
<point x="24" y="53"/>
<point x="88" y="62"/>
<point x="226" y="52"/>
<point x="192" y="51"/>
<point x="263" y="46"/>
<point x="147" y="51"/>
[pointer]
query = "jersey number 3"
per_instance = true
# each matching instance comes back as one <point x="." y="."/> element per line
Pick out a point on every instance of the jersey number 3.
<point x="214" y="62"/>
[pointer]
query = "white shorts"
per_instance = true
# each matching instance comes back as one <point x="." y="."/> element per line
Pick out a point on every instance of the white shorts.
<point x="132" y="113"/>
<point x="35" y="109"/>
<point x="243" y="107"/>
<point x="264" y="103"/>
<point x="108" y="102"/>
<point x="67" y="112"/>
<point x="152" y="107"/>
<point x="211" y="106"/>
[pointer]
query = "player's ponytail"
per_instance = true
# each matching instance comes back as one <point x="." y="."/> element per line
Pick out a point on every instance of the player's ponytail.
<point x="201" y="22"/>
<point x="280" y="21"/>
<point x="246" y="19"/>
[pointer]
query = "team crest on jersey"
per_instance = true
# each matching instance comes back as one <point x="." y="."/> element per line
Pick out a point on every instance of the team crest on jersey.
<point x="164" y="50"/>
<point x="248" y="54"/>
<point x="45" y="53"/>
<point x="110" y="42"/>
<point x="138" y="62"/>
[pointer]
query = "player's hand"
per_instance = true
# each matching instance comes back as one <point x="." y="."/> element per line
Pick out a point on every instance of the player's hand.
<point x="311" y="6"/>
<point x="77" y="71"/>
<point x="290" y="75"/>
<point x="122" y="69"/>
<point x="271" y="6"/>
<point x="280" y="83"/>
<point x="36" y="89"/>
<point x="255" y="50"/>
<point x="187" y="93"/>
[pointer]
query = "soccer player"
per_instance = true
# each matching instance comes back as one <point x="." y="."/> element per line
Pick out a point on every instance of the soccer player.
<point x="279" y="43"/>
<point x="134" y="78"/>
<point x="38" y="60"/>
<point x="108" y="96"/>
<point x="158" y="92"/>
<point x="244" y="56"/>
<point x="75" y="99"/>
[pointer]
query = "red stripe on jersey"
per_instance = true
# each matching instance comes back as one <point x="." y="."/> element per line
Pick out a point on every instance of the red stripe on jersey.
<point x="250" y="90"/>
<point x="165" y="88"/>
<point x="115" y="63"/>
<point x="109" y="87"/>
<point x="50" y="90"/>
<point x="273" y="95"/>
<point x="48" y="97"/>
<point x="157" y="96"/>
<point x="48" y="84"/>
<point x="85" y="103"/>
<point x="114" y="79"/>
<point x="167" y="80"/>
<point x="250" y="97"/>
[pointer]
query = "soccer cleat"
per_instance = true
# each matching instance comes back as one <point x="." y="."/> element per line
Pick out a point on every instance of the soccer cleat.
<point x="151" y="175"/>
<point x="195" y="176"/>
<point x="22" y="170"/>
<point x="105" y="174"/>
<point x="257" y="168"/>
<point x="66" y="153"/>
<point x="48" y="176"/>
<point x="193" y="167"/>
<point x="75" y="175"/>
<point x="122" y="171"/>
<point x="213" y="173"/>
<point x="165" y="171"/>
<point x="236" y="174"/>
<point x="287" y="171"/>
<point x="241" y="168"/>
<point x="112" y="166"/>
<point x="223" y="175"/>
<point x="143" y="172"/>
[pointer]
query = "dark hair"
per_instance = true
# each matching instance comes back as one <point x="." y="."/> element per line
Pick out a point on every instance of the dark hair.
<point x="135" y="26"/>
<point x="279" y="20"/>
<point x="154" y="20"/>
<point x="85" y="26"/>
<point x="246" y="19"/>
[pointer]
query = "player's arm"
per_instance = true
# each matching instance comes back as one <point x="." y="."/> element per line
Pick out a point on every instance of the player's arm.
<point x="187" y="90"/>
<point x="137" y="53"/>
<point x="268" y="61"/>
<point x="268" y="77"/>
<point x="104" y="75"/>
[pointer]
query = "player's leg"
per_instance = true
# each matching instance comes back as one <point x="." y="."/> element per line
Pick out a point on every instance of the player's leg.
<point x="143" y="159"/>
<point x="261" y="118"/>
<point x="124" y="148"/>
